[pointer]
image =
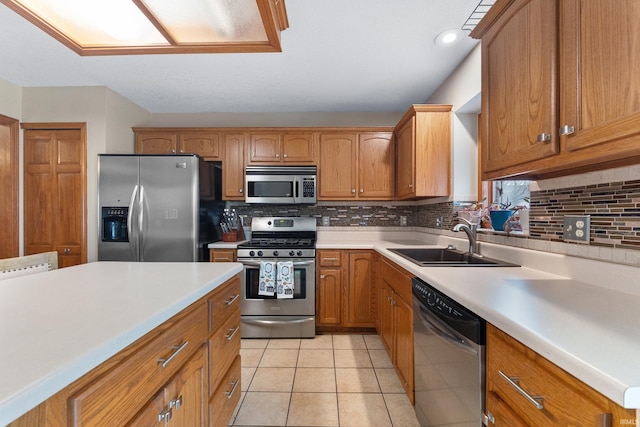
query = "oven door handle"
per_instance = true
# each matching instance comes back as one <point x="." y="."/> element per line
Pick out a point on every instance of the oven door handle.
<point x="277" y="322"/>
<point x="295" y="263"/>
<point x="443" y="331"/>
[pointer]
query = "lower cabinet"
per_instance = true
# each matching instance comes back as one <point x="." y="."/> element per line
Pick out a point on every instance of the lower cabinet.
<point x="183" y="401"/>
<point x="555" y="397"/>
<point x="170" y="377"/>
<point x="345" y="290"/>
<point x="395" y="325"/>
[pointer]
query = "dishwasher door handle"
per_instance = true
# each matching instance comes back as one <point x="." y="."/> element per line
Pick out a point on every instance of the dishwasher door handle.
<point x="443" y="331"/>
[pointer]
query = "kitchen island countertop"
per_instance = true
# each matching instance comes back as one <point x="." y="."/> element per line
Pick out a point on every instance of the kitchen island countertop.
<point x="58" y="325"/>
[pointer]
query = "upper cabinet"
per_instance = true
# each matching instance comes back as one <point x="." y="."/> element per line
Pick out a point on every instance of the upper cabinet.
<point x="424" y="152"/>
<point x="204" y="143"/>
<point x="356" y="165"/>
<point x="559" y="91"/>
<point x="281" y="147"/>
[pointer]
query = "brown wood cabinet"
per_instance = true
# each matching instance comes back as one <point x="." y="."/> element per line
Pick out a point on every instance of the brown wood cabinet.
<point x="423" y="160"/>
<point x="345" y="290"/>
<point x="564" y="399"/>
<point x="223" y="255"/>
<point x="233" y="167"/>
<point x="55" y="195"/>
<point x="560" y="93"/>
<point x="329" y="288"/>
<point x="203" y="142"/>
<point x="395" y="325"/>
<point x="296" y="148"/>
<point x="170" y="375"/>
<point x="356" y="166"/>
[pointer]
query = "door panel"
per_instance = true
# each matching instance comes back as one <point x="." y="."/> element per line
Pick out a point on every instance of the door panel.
<point x="9" y="240"/>
<point x="169" y="201"/>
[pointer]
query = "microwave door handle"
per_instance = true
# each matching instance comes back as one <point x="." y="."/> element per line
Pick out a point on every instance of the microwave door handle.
<point x="296" y="196"/>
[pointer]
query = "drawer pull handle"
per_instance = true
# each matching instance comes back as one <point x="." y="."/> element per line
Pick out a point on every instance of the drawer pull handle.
<point x="234" y="331"/>
<point x="234" y="384"/>
<point x="220" y="259"/>
<point x="178" y="349"/>
<point x="233" y="299"/>
<point x="535" y="400"/>
<point x="543" y="137"/>
<point x="164" y="416"/>
<point x="177" y="402"/>
<point x="329" y="259"/>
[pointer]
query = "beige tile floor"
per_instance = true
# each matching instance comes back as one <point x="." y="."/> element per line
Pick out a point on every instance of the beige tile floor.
<point x="330" y="380"/>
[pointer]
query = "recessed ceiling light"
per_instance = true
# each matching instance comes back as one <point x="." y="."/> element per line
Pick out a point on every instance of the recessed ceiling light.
<point x="449" y="37"/>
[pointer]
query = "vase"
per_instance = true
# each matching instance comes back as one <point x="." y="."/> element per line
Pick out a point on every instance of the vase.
<point x="498" y="218"/>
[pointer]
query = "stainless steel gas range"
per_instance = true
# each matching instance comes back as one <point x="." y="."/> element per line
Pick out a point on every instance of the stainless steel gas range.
<point x="277" y="239"/>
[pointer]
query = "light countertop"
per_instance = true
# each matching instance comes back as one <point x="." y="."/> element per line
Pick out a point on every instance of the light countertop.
<point x="56" y="326"/>
<point x="582" y="322"/>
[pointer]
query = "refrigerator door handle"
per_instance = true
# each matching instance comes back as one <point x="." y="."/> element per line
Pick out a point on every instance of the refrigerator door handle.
<point x="133" y="234"/>
<point x="141" y="224"/>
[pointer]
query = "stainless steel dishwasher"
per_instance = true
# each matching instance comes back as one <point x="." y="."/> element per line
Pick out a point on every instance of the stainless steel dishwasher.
<point x="449" y="357"/>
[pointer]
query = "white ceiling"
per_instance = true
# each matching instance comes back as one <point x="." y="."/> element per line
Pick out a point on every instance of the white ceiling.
<point x="338" y="55"/>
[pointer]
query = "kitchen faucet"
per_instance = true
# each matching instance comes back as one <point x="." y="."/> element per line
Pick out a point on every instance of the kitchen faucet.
<point x="471" y="230"/>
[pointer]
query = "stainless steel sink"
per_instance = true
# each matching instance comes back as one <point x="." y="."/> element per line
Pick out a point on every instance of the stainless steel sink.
<point x="433" y="257"/>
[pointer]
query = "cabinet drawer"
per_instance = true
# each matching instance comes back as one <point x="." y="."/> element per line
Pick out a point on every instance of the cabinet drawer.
<point x="398" y="279"/>
<point x="565" y="400"/>
<point x="123" y="390"/>
<point x="226" y="397"/>
<point x="225" y="300"/>
<point x="329" y="258"/>
<point x="222" y="255"/>
<point x="224" y="346"/>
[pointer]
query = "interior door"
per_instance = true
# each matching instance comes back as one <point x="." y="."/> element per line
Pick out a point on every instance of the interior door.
<point x="9" y="240"/>
<point x="170" y="212"/>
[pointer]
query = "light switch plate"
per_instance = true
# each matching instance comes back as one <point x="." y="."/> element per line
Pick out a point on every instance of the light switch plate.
<point x="577" y="228"/>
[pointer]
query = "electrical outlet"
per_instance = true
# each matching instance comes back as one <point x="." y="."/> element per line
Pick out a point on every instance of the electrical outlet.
<point x="403" y="221"/>
<point x="439" y="221"/>
<point x="577" y="228"/>
<point x="325" y="221"/>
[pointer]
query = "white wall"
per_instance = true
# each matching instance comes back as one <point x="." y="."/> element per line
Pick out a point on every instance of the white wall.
<point x="298" y="119"/>
<point x="462" y="90"/>
<point x="109" y="119"/>
<point x="10" y="99"/>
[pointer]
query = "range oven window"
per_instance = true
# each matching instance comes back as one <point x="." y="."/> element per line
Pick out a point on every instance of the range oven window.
<point x="253" y="278"/>
<point x="270" y="188"/>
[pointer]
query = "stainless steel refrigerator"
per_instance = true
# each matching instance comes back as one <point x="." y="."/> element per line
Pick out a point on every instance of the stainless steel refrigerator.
<point x="157" y="207"/>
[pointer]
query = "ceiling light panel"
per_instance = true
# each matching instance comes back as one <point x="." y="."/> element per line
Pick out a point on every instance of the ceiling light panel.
<point x="209" y="21"/>
<point x="97" y="23"/>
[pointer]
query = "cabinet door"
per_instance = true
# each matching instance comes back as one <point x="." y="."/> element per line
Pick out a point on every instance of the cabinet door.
<point x="264" y="148"/>
<point x="386" y="322"/>
<point x="406" y="172"/>
<point x="204" y="144"/>
<point x="519" y="86"/>
<point x="376" y="166"/>
<point x="337" y="166"/>
<point x="156" y="142"/>
<point x="329" y="296"/>
<point x="233" y="167"/>
<point x="600" y="95"/>
<point x="187" y="393"/>
<point x="404" y="343"/>
<point x="298" y="148"/>
<point x="361" y="291"/>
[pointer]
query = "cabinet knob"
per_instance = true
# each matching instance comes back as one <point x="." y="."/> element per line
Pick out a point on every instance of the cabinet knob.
<point x="543" y="137"/>
<point x="322" y="276"/>
<point x="173" y="151"/>
<point x="240" y="191"/>
<point x="277" y="156"/>
<point x="285" y="156"/>
<point x="410" y="185"/>
<point x="567" y="130"/>
<point x="362" y="190"/>
<point x="66" y="250"/>
<point x="353" y="190"/>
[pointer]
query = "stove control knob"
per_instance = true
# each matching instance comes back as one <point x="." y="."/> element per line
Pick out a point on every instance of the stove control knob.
<point x="252" y="253"/>
<point x="299" y="253"/>
<point x="260" y="253"/>
<point x="276" y="253"/>
<point x="291" y="253"/>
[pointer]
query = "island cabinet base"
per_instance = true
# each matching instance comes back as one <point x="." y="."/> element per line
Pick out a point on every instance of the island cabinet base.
<point x="185" y="372"/>
<point x="556" y="398"/>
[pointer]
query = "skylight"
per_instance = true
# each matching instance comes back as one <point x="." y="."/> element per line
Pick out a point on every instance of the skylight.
<point x="92" y="27"/>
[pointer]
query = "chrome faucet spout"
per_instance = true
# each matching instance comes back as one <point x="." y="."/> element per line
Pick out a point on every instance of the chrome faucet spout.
<point x="471" y="232"/>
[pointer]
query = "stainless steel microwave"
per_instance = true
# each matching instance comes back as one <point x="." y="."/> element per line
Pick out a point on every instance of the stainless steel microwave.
<point x="281" y="184"/>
